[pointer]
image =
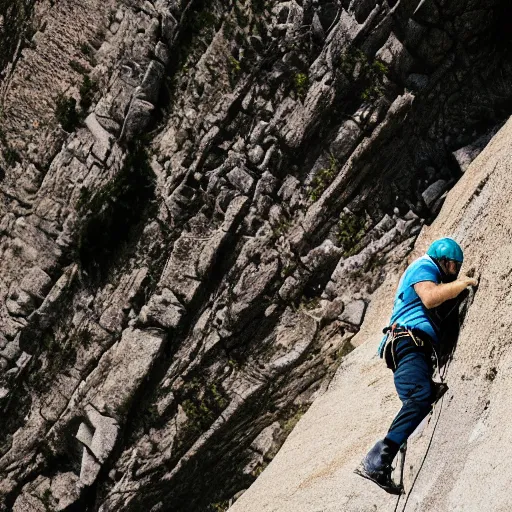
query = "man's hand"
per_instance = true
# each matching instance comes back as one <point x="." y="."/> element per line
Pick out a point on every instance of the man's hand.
<point x="433" y="295"/>
<point x="470" y="281"/>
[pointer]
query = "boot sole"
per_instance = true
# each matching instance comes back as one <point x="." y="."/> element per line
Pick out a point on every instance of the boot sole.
<point x="397" y="491"/>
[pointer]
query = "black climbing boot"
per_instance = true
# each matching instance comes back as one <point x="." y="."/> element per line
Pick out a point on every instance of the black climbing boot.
<point x="376" y="466"/>
<point x="438" y="390"/>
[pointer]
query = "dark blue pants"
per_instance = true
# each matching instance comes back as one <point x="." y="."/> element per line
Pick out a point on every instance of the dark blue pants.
<point x="413" y="382"/>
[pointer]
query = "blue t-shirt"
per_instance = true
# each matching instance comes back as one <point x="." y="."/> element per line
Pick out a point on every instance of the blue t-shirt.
<point x="408" y="310"/>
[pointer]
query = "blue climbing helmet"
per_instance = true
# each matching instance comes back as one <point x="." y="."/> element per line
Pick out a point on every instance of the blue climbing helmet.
<point x="446" y="249"/>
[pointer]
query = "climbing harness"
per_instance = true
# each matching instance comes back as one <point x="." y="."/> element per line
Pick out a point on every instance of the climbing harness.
<point x="387" y="348"/>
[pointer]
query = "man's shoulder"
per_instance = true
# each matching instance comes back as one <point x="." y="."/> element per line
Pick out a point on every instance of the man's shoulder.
<point x="423" y="266"/>
<point x="424" y="261"/>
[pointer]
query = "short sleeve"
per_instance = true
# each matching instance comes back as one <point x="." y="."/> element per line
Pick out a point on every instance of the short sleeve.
<point x="425" y="271"/>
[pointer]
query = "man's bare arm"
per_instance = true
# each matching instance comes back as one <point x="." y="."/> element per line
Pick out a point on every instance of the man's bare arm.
<point x="433" y="295"/>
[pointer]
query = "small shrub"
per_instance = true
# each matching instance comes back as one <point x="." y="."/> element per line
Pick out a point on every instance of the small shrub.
<point x="234" y="70"/>
<point x="88" y="53"/>
<point x="87" y="91"/>
<point x="323" y="179"/>
<point x="282" y="227"/>
<point x="66" y="113"/>
<point x="220" y="506"/>
<point x="349" y="232"/>
<point x="301" y="83"/>
<point x="370" y="75"/>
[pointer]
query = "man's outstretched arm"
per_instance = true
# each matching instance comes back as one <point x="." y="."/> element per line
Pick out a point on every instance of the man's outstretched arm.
<point x="433" y="295"/>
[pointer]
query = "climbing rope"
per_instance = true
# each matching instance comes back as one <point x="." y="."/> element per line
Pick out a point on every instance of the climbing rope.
<point x="422" y="462"/>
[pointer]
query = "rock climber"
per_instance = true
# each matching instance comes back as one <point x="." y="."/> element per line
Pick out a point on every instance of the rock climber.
<point x="410" y="345"/>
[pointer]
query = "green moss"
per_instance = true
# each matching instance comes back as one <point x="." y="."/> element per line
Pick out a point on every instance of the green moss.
<point x="323" y="179"/>
<point x="349" y="232"/>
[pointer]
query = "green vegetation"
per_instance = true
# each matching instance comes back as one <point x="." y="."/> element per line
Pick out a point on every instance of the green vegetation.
<point x="310" y="303"/>
<point x="288" y="269"/>
<point x="220" y="506"/>
<point x="88" y="89"/>
<point x="349" y="232"/>
<point x="301" y="83"/>
<point x="258" y="6"/>
<point x="282" y="227"/>
<point x="234" y="70"/>
<point x="241" y="15"/>
<point x="66" y="111"/>
<point x="370" y="74"/>
<point x="88" y="53"/>
<point x="292" y="420"/>
<point x="257" y="472"/>
<point x="323" y="178"/>
<point x="203" y="404"/>
<point x="344" y="351"/>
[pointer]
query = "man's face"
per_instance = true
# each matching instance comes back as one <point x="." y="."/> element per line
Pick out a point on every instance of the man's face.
<point x="452" y="268"/>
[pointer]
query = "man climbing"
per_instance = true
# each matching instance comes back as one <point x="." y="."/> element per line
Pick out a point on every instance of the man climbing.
<point x="410" y="342"/>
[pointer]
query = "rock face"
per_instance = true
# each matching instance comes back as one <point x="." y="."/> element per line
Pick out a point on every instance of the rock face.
<point x="198" y="201"/>
<point x="466" y="465"/>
